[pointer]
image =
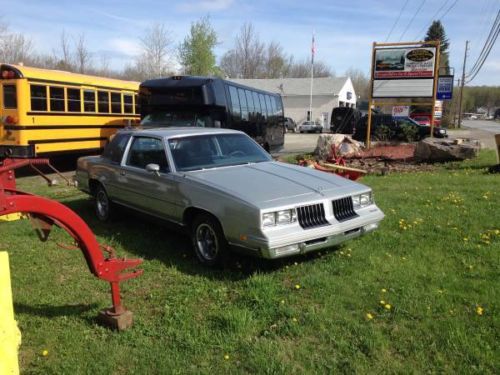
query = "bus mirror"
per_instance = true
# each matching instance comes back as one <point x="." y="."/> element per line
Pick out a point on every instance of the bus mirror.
<point x="217" y="124"/>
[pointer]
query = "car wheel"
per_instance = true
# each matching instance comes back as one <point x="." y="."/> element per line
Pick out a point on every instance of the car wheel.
<point x="209" y="242"/>
<point x="103" y="205"/>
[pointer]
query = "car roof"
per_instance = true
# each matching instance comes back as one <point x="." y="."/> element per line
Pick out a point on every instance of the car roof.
<point x="180" y="131"/>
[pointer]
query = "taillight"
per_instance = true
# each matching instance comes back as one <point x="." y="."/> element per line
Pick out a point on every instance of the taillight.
<point x="8" y="74"/>
<point x="11" y="120"/>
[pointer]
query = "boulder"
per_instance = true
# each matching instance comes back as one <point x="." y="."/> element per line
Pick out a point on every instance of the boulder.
<point x="344" y="144"/>
<point x="442" y="150"/>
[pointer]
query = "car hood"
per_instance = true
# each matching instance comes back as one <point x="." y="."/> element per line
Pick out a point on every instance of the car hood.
<point x="271" y="184"/>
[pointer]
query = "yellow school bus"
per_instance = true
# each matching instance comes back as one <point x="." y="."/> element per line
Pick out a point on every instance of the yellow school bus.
<point x="43" y="112"/>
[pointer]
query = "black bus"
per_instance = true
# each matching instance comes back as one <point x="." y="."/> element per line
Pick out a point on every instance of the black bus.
<point x="213" y="102"/>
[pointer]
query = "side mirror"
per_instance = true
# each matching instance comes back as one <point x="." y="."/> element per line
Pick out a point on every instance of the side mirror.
<point x="153" y="168"/>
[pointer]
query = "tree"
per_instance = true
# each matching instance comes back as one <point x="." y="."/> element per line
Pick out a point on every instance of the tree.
<point x="82" y="54"/>
<point x="245" y="60"/>
<point x="360" y="81"/>
<point x="196" y="52"/>
<point x="302" y="69"/>
<point x="155" y="58"/>
<point x="436" y="32"/>
<point x="14" y="48"/>
<point x="276" y="63"/>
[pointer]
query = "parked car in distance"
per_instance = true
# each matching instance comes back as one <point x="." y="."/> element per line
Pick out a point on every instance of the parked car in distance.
<point x="227" y="192"/>
<point x="425" y="118"/>
<point x="290" y="125"/>
<point x="385" y="127"/>
<point x="310" y="127"/>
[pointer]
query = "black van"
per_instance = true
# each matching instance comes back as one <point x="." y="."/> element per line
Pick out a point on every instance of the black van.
<point x="344" y="120"/>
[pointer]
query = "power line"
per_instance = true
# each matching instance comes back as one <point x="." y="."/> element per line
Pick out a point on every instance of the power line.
<point x="411" y="21"/>
<point x="492" y="43"/>
<point x="432" y="19"/>
<point x="397" y="20"/>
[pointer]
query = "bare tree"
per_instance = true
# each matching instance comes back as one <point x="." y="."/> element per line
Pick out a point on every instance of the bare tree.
<point x="302" y="69"/>
<point x="63" y="56"/>
<point x="14" y="48"/>
<point x="155" y="59"/>
<point x="360" y="81"/>
<point x="277" y="63"/>
<point x="246" y="59"/>
<point x="83" y="56"/>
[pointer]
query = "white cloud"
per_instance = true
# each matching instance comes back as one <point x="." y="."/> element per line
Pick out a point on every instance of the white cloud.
<point x="128" y="47"/>
<point x="204" y="5"/>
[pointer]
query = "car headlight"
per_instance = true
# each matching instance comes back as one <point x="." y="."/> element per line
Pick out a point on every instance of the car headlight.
<point x="362" y="200"/>
<point x="281" y="217"/>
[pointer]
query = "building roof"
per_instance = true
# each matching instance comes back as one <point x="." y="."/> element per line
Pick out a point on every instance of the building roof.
<point x="297" y="86"/>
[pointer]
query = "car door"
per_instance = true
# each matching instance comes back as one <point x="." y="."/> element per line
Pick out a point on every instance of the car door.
<point x="147" y="191"/>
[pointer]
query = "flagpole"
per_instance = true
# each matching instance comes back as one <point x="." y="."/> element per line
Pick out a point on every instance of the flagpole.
<point x="312" y="79"/>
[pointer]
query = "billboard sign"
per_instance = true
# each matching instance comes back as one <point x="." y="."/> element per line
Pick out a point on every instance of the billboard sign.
<point x="401" y="111"/>
<point x="404" y="72"/>
<point x="445" y="87"/>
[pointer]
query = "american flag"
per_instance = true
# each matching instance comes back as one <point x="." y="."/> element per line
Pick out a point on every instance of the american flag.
<point x="313" y="50"/>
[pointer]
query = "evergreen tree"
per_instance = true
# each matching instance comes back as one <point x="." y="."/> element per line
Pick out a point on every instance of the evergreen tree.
<point x="196" y="52"/>
<point x="436" y="32"/>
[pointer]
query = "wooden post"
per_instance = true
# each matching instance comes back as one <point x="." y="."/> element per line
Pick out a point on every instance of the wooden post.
<point x="370" y="100"/>
<point x="434" y="93"/>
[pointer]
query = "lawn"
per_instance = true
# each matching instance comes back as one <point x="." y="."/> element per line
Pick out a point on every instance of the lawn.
<point x="422" y="294"/>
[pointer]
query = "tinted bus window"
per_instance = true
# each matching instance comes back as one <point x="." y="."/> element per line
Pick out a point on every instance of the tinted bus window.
<point x="56" y="98"/>
<point x="243" y="104"/>
<point x="269" y="106"/>
<point x="251" y="106"/>
<point x="9" y="97"/>
<point x="74" y="100"/>
<point x="103" y="101"/>
<point x="263" y="105"/>
<point x="256" y="102"/>
<point x="279" y="106"/>
<point x="128" y="105"/>
<point x="235" y="101"/>
<point x="38" y="98"/>
<point x="116" y="102"/>
<point x="89" y="101"/>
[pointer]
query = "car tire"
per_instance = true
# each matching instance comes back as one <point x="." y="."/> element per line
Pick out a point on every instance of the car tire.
<point x="208" y="240"/>
<point x="104" y="208"/>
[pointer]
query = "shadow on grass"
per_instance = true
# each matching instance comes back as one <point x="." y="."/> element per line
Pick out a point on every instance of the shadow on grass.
<point x="50" y="311"/>
<point x="150" y="238"/>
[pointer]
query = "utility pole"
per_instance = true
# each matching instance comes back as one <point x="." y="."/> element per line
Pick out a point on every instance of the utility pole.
<point x="462" y="86"/>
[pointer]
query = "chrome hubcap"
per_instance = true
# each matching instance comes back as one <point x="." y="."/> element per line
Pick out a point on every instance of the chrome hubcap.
<point x="102" y="204"/>
<point x="206" y="242"/>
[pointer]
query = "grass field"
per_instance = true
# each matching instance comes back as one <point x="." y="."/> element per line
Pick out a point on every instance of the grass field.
<point x="422" y="294"/>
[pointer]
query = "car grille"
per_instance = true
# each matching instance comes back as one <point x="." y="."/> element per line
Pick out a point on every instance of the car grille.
<point x="343" y="209"/>
<point x="312" y="216"/>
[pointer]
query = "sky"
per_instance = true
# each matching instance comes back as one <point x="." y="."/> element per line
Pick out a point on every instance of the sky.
<point x="344" y="30"/>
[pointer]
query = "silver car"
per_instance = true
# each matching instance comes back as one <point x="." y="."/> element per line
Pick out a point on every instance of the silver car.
<point x="227" y="192"/>
<point x="310" y="127"/>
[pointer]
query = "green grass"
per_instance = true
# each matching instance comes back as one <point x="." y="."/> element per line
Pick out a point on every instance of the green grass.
<point x="436" y="273"/>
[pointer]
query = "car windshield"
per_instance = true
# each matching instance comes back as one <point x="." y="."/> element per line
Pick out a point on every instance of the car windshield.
<point x="177" y="118"/>
<point x="192" y="153"/>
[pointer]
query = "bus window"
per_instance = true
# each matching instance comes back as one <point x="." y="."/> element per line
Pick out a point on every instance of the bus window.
<point x="263" y="105"/>
<point x="235" y="102"/>
<point x="103" y="101"/>
<point x="38" y="98"/>
<point x="128" y="105"/>
<point x="116" y="102"/>
<point x="9" y="97"/>
<point x="74" y="100"/>
<point x="137" y="109"/>
<point x="56" y="98"/>
<point x="243" y="104"/>
<point x="251" y="106"/>
<point x="257" y="103"/>
<point x="89" y="101"/>
<point x="279" y="106"/>
<point x="269" y="106"/>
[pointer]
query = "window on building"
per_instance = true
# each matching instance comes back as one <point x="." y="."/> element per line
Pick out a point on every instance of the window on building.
<point x="38" y="98"/>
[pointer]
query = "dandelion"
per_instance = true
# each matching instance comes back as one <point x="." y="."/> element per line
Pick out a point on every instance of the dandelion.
<point x="479" y="310"/>
<point x="382" y="302"/>
<point x="384" y="290"/>
<point x="295" y="264"/>
<point x="466" y="239"/>
<point x="294" y="320"/>
<point x="282" y="301"/>
<point x="45" y="353"/>
<point x="226" y="357"/>
<point x="369" y="316"/>
<point x="297" y="286"/>
<point x="387" y="306"/>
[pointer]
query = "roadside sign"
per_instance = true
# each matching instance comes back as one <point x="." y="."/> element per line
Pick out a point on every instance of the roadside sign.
<point x="445" y="87"/>
<point x="401" y="111"/>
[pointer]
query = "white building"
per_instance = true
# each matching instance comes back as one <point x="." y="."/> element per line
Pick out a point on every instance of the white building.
<point x="328" y="93"/>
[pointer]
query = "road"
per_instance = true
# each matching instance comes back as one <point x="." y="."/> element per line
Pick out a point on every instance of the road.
<point x="487" y="126"/>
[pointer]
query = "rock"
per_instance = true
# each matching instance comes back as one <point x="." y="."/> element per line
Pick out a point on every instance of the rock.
<point x="345" y="145"/>
<point x="441" y="150"/>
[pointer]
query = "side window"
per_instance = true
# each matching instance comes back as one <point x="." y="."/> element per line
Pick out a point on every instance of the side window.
<point x="74" y="100"/>
<point x="137" y="108"/>
<point x="103" y="101"/>
<point x="114" y="150"/>
<point x="279" y="106"/>
<point x="128" y="105"/>
<point x="9" y="97"/>
<point x="235" y="101"/>
<point x="56" y="98"/>
<point x="251" y="106"/>
<point x="89" y="101"/>
<point x="257" y="103"/>
<point x="116" y="102"/>
<point x="263" y="105"/>
<point x="269" y="106"/>
<point x="38" y="98"/>
<point x="146" y="150"/>
<point x="243" y="104"/>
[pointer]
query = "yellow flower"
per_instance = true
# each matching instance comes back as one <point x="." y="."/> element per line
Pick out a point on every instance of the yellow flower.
<point x="466" y="239"/>
<point x="226" y="357"/>
<point x="384" y="290"/>
<point x="282" y="301"/>
<point x="387" y="306"/>
<point x="297" y="286"/>
<point x="294" y="320"/>
<point x="45" y="352"/>
<point x="382" y="302"/>
<point x="369" y="316"/>
<point x="479" y="310"/>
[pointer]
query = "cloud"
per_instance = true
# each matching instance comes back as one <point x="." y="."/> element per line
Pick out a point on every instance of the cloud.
<point x="204" y="5"/>
<point x="123" y="46"/>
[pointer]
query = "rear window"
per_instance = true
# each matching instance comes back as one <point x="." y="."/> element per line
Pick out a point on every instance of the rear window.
<point x="9" y="97"/>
